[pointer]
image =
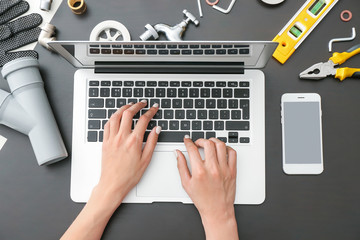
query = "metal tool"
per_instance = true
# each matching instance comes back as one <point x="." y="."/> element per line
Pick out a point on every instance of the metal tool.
<point x="225" y="10"/>
<point x="330" y="68"/>
<point x="342" y="39"/>
<point x="172" y="33"/>
<point x="200" y="8"/>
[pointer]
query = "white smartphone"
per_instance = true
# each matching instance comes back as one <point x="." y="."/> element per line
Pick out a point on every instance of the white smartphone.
<point x="302" y="133"/>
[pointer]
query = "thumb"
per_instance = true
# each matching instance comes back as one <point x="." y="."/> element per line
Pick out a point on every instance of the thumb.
<point x="183" y="168"/>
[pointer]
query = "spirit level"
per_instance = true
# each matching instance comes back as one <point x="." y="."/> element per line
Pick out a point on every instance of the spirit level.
<point x="300" y="26"/>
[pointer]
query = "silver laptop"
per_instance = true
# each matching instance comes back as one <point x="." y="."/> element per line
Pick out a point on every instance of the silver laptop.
<point x="204" y="88"/>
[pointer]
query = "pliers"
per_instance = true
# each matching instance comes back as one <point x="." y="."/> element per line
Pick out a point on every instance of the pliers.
<point x="330" y="68"/>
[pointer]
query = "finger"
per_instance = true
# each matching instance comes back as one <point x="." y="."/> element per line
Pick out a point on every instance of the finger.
<point x="209" y="150"/>
<point x="144" y="120"/>
<point x="232" y="156"/>
<point x="115" y="120"/>
<point x="150" y="144"/>
<point x="128" y="115"/>
<point x="184" y="172"/>
<point x="193" y="151"/>
<point x="106" y="131"/>
<point x="221" y="152"/>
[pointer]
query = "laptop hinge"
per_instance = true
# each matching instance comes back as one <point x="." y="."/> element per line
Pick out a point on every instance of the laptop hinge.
<point x="170" y="67"/>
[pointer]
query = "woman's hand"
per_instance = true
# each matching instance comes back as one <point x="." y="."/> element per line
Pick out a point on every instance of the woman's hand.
<point x="124" y="160"/>
<point x="211" y="185"/>
<point x="123" y="163"/>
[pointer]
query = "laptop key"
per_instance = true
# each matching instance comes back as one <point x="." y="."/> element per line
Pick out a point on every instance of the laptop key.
<point x="110" y="103"/>
<point x="188" y="103"/>
<point x="179" y="114"/>
<point x="222" y="103"/>
<point x="197" y="135"/>
<point x="92" y="136"/>
<point x="207" y="125"/>
<point x="104" y="92"/>
<point x="128" y="83"/>
<point x="177" y="103"/>
<point x="96" y="103"/>
<point x="149" y="92"/>
<point x="237" y="125"/>
<point x="196" y="125"/>
<point x="219" y="125"/>
<point x="183" y="92"/>
<point x="210" y="135"/>
<point x="97" y="113"/>
<point x="194" y="92"/>
<point x="210" y="103"/>
<point x="160" y="92"/>
<point x="235" y="114"/>
<point x="224" y="114"/>
<point x="171" y="92"/>
<point x="94" y="124"/>
<point x="138" y="92"/>
<point x="172" y="136"/>
<point x="241" y="93"/>
<point x="93" y="83"/>
<point x="213" y="114"/>
<point x="205" y="92"/>
<point x="190" y="114"/>
<point x="165" y="103"/>
<point x="202" y="114"/>
<point x="163" y="125"/>
<point x="233" y="103"/>
<point x="185" y="125"/>
<point x="127" y="92"/>
<point x="169" y="114"/>
<point x="93" y="92"/>
<point x="120" y="103"/>
<point x="216" y="93"/>
<point x="244" y="140"/>
<point x="116" y="92"/>
<point x="199" y="103"/>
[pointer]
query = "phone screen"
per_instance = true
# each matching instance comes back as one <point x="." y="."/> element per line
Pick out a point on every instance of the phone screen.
<point x="302" y="132"/>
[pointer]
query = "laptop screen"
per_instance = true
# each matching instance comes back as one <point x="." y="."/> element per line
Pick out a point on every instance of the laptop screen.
<point x="164" y="54"/>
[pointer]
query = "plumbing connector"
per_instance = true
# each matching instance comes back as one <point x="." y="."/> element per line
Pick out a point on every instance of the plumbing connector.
<point x="47" y="35"/>
<point x="27" y="110"/>
<point x="172" y="33"/>
<point x="149" y="33"/>
<point x="45" y="5"/>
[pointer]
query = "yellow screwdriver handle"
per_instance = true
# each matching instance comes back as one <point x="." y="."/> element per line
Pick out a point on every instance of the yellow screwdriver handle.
<point x="342" y="73"/>
<point x="340" y="58"/>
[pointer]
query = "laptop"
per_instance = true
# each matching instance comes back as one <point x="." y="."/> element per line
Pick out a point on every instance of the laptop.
<point x="204" y="89"/>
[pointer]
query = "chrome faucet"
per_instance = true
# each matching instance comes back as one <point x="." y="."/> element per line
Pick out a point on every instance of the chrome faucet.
<point x="172" y="33"/>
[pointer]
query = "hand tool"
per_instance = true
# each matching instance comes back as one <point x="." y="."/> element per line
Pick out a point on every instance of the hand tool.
<point x="342" y="39"/>
<point x="330" y="68"/>
<point x="300" y="26"/>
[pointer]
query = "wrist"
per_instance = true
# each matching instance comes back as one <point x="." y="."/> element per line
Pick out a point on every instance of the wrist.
<point x="108" y="197"/>
<point x="220" y="225"/>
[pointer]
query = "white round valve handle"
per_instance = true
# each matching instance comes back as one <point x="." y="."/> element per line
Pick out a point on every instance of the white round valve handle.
<point x="113" y="30"/>
<point x="273" y="2"/>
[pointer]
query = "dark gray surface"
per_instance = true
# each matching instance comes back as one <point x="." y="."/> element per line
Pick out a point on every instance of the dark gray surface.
<point x="35" y="202"/>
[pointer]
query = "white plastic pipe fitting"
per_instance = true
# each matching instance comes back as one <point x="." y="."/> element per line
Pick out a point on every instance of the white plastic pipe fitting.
<point x="27" y="110"/>
<point x="47" y="35"/>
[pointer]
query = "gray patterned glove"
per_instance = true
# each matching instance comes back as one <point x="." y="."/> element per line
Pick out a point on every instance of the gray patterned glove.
<point x="17" y="33"/>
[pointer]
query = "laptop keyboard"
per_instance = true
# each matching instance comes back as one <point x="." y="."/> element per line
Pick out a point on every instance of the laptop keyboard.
<point x="201" y="109"/>
<point x="170" y="49"/>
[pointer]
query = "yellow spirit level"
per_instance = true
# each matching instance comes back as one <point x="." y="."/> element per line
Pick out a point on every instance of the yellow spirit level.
<point x="300" y="26"/>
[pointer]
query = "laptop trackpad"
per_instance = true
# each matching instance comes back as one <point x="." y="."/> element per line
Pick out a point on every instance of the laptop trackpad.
<point x="162" y="178"/>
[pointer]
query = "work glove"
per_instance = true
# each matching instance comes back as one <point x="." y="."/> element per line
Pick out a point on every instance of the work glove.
<point x="19" y="32"/>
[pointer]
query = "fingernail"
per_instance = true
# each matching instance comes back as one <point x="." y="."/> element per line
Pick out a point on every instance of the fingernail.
<point x="176" y="154"/>
<point x="186" y="136"/>
<point x="158" y="130"/>
<point x="144" y="101"/>
<point x="131" y="103"/>
<point x="156" y="105"/>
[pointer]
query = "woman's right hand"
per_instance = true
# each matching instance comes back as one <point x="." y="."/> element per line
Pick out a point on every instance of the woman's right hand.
<point x="211" y="185"/>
